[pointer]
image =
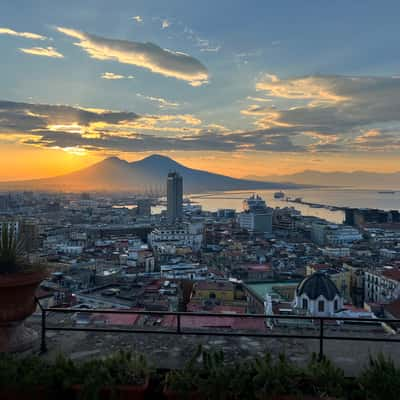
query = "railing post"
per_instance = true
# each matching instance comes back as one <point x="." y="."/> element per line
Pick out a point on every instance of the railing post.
<point x="178" y="323"/>
<point x="43" y="345"/>
<point x="321" y="339"/>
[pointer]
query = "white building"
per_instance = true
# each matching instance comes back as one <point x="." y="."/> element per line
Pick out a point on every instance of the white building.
<point x="323" y="233"/>
<point x="185" y="271"/>
<point x="382" y="286"/>
<point x="317" y="295"/>
<point x="69" y="249"/>
<point x="175" y="236"/>
<point x="336" y="251"/>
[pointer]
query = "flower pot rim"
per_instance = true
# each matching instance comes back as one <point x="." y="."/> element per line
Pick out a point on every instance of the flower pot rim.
<point x="22" y="278"/>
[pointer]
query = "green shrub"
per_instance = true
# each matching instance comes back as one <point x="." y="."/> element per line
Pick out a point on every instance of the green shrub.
<point x="274" y="377"/>
<point x="323" y="378"/>
<point x="121" y="368"/>
<point x="23" y="373"/>
<point x="381" y="379"/>
<point x="185" y="381"/>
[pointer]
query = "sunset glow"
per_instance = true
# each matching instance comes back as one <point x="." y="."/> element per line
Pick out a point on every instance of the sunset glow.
<point x="135" y="81"/>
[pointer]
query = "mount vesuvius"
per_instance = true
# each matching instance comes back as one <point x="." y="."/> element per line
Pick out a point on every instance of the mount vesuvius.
<point x="114" y="174"/>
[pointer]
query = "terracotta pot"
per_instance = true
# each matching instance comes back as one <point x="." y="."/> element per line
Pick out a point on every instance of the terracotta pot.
<point x="34" y="393"/>
<point x="294" y="397"/>
<point x="103" y="394"/>
<point x="171" y="395"/>
<point x="17" y="302"/>
<point x="126" y="392"/>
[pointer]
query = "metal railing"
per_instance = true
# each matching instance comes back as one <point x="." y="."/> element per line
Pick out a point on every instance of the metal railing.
<point x="321" y="336"/>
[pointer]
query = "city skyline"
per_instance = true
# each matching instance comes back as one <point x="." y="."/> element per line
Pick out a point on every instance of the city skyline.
<point x="271" y="89"/>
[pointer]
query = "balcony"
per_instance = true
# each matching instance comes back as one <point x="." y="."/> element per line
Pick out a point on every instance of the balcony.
<point x="168" y="337"/>
<point x="169" y="340"/>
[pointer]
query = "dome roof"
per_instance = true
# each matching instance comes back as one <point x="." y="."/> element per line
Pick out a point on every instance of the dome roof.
<point x="318" y="284"/>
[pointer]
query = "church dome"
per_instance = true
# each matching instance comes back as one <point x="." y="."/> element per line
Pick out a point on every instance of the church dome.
<point x="317" y="284"/>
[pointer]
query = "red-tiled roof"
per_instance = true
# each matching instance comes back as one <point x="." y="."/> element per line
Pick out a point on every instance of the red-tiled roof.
<point x="394" y="308"/>
<point x="392" y="274"/>
<point x="191" y="307"/>
<point x="259" y="267"/>
<point x="117" y="319"/>
<point x="211" y="285"/>
<point x="196" y="322"/>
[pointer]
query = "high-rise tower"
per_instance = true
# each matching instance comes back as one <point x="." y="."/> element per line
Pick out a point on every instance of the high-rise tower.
<point x="174" y="197"/>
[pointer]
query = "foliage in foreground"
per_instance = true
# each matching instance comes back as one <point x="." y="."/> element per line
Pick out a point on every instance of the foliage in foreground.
<point x="207" y="374"/>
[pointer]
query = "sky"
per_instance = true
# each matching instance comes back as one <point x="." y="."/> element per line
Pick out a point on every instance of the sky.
<point x="242" y="88"/>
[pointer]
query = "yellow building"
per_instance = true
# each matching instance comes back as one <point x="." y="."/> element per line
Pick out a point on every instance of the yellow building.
<point x="223" y="291"/>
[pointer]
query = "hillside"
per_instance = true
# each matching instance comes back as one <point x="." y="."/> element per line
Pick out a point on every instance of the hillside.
<point x="114" y="174"/>
<point x="359" y="179"/>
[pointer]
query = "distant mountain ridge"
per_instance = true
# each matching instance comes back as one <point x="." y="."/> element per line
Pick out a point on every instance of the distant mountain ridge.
<point x="114" y="174"/>
<point x="361" y="179"/>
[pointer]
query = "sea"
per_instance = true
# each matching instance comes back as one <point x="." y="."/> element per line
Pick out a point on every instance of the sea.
<point x="340" y="197"/>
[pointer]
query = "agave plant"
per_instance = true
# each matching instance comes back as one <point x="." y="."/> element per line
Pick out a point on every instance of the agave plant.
<point x="8" y="250"/>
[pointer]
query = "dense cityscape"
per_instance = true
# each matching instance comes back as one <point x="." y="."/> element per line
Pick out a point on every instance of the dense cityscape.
<point x="111" y="252"/>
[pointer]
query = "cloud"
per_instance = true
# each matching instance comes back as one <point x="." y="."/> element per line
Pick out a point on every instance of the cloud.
<point x="24" y="117"/>
<point x="112" y="76"/>
<point x="262" y="99"/>
<point x="138" y="19"/>
<point x="323" y="89"/>
<point x="215" y="49"/>
<point x="203" y="44"/>
<point x="162" y="103"/>
<point x="87" y="129"/>
<point x="26" y="35"/>
<point x="377" y="140"/>
<point x="165" y="24"/>
<point x="350" y="109"/>
<point x="205" y="141"/>
<point x="43" y="51"/>
<point x="146" y="55"/>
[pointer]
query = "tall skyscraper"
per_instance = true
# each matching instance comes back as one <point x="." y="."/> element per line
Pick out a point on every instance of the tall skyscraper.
<point x="174" y="197"/>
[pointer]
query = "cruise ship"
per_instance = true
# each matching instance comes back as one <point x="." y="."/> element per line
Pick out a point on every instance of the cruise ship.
<point x="254" y="202"/>
<point x="279" y="195"/>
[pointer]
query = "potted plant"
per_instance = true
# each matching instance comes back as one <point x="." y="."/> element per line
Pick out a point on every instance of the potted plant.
<point x="323" y="380"/>
<point x="275" y="380"/>
<point x="24" y="378"/>
<point x="184" y="383"/>
<point x="216" y="376"/>
<point x="212" y="378"/>
<point x="380" y="380"/>
<point x="19" y="280"/>
<point x="123" y="375"/>
<point x="64" y="374"/>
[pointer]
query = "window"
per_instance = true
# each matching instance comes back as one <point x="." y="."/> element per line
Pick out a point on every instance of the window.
<point x="321" y="306"/>
<point x="336" y="305"/>
<point x="305" y="304"/>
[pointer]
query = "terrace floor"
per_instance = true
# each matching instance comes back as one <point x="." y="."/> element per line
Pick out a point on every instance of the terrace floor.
<point x="171" y="351"/>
